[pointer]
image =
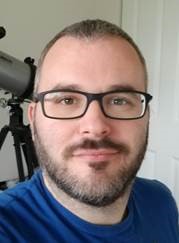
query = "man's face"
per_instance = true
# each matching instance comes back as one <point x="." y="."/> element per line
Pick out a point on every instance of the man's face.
<point x="93" y="158"/>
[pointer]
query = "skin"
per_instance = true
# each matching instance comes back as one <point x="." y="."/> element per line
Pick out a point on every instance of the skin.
<point x="96" y="65"/>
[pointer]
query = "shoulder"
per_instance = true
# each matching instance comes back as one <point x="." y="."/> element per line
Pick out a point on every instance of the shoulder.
<point x="152" y="186"/>
<point x="155" y="194"/>
<point x="20" y="192"/>
<point x="154" y="210"/>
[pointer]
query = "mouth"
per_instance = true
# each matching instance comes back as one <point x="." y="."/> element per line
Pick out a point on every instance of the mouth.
<point x="95" y="155"/>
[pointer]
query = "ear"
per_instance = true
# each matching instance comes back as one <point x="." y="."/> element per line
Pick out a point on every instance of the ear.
<point x="31" y="116"/>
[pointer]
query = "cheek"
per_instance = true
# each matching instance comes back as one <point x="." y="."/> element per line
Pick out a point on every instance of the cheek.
<point x="54" y="134"/>
<point x="140" y="131"/>
<point x="132" y="132"/>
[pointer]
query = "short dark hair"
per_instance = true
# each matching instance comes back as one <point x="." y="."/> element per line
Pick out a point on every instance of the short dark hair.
<point x="91" y="29"/>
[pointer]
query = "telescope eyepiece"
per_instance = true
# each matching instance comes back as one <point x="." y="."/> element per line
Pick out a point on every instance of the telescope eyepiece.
<point x="2" y="32"/>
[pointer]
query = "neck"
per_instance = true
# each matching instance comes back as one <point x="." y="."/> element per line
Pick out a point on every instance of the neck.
<point x="107" y="215"/>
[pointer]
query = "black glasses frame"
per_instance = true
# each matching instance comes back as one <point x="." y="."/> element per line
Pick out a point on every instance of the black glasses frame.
<point x="39" y="97"/>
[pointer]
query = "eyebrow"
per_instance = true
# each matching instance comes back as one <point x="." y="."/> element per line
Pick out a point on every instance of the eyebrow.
<point x="76" y="87"/>
<point x="122" y="87"/>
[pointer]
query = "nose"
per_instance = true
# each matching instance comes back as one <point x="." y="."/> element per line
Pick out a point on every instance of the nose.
<point x="94" y="123"/>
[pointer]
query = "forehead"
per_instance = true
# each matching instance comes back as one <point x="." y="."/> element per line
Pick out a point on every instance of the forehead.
<point x="92" y="64"/>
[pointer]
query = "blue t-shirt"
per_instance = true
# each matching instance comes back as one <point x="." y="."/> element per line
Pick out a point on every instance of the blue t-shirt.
<point x="29" y="213"/>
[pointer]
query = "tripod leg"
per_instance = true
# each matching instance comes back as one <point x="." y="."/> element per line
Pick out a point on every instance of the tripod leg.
<point x="19" y="157"/>
<point x="3" y="134"/>
<point x="28" y="159"/>
<point x="29" y="151"/>
<point x="31" y="148"/>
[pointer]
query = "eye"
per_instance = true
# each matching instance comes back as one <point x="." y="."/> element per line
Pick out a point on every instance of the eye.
<point x="67" y="101"/>
<point x="119" y="101"/>
<point x="64" y="100"/>
<point x="61" y="98"/>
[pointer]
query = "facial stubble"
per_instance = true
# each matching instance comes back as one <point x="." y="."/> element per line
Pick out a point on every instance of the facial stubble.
<point x="98" y="191"/>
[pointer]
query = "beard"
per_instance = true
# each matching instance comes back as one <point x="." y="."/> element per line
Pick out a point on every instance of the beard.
<point x="95" y="190"/>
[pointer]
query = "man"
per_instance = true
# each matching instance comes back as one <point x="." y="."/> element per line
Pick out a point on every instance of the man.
<point x="89" y="121"/>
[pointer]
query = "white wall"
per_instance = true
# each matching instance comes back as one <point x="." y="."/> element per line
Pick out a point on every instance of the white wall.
<point x="30" y="25"/>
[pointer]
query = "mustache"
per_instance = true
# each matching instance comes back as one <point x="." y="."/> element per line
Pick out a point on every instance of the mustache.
<point x="96" y="144"/>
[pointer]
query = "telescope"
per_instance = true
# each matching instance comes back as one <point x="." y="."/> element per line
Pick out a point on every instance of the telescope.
<point x="17" y="77"/>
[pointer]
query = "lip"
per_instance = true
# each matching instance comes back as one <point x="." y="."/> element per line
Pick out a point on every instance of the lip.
<point x="95" y="154"/>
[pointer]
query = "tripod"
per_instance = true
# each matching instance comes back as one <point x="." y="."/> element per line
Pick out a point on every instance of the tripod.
<point x="22" y="139"/>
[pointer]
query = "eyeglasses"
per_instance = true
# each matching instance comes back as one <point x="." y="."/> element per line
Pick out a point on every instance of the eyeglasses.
<point x="68" y="104"/>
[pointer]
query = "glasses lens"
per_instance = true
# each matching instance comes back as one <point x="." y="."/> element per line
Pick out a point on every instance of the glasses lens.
<point x="124" y="105"/>
<point x="64" y="104"/>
